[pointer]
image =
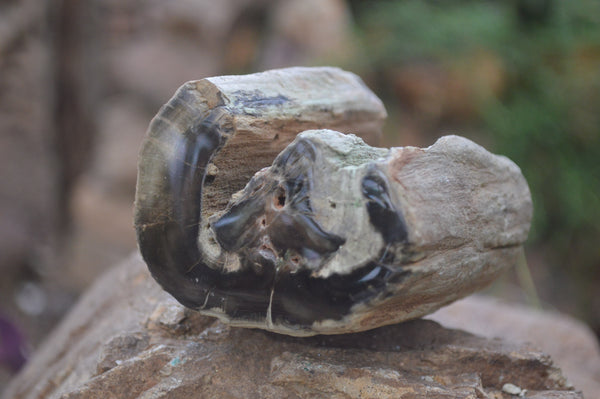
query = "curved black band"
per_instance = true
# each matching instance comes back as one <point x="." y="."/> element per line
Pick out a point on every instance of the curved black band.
<point x="168" y="227"/>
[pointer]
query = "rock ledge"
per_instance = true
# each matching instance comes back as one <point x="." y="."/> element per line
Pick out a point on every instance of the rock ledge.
<point x="127" y="338"/>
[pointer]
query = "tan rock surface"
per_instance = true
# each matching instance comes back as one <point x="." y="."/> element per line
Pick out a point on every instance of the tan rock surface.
<point x="129" y="339"/>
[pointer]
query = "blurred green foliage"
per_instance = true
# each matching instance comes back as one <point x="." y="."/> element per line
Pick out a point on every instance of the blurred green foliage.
<point x="546" y="117"/>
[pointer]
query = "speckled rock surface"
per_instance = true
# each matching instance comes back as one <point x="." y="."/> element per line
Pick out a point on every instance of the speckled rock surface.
<point x="129" y="339"/>
<point x="572" y="344"/>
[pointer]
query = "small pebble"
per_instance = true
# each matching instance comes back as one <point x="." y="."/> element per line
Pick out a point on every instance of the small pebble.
<point x="511" y="389"/>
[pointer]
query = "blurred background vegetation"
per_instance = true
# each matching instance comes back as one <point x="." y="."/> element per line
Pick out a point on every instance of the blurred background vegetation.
<point x="79" y="82"/>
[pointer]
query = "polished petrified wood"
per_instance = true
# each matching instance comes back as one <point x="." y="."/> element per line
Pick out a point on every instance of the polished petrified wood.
<point x="335" y="236"/>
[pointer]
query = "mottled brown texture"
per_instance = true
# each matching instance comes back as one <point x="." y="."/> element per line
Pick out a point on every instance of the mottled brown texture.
<point x="127" y="338"/>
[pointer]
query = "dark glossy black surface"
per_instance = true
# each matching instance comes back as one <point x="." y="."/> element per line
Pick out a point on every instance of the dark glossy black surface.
<point x="273" y="232"/>
<point x="283" y="202"/>
<point x="300" y="299"/>
<point x="169" y="248"/>
<point x="382" y="213"/>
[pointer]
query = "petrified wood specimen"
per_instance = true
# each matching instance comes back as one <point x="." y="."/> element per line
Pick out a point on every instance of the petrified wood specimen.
<point x="335" y="236"/>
